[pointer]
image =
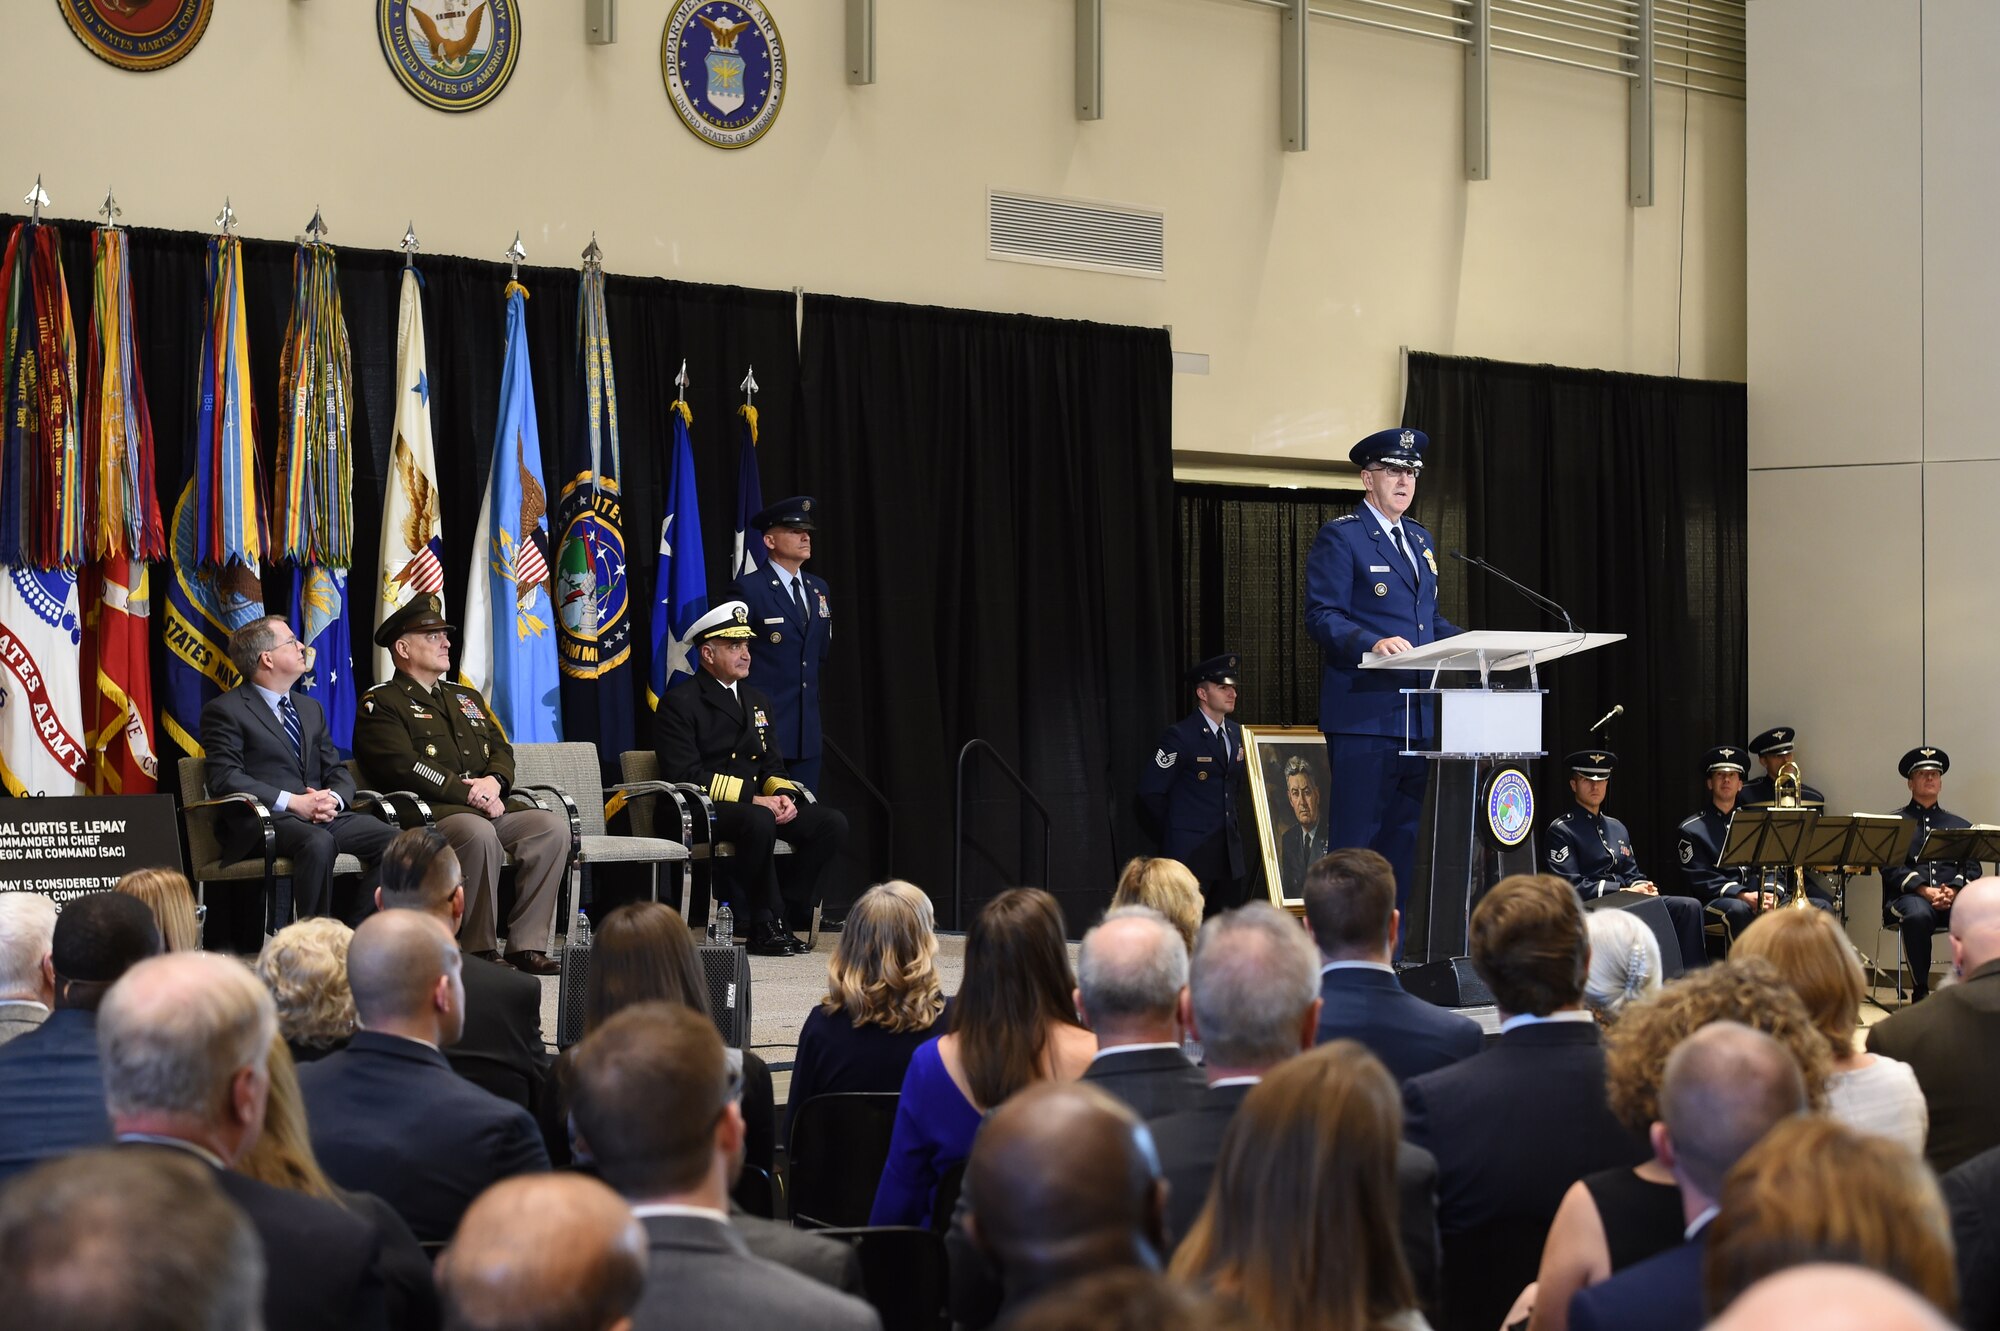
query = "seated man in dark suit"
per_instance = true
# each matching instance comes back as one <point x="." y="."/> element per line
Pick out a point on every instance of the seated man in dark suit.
<point x="1725" y="1087"/>
<point x="545" y="1252"/>
<point x="263" y="740"/>
<point x="655" y="1108"/>
<point x="1972" y="1191"/>
<point x="1514" y="1127"/>
<point x="51" y="1085"/>
<point x="1131" y="983"/>
<point x="185" y="1258"/>
<point x="388" y="1114"/>
<point x="1949" y="1038"/>
<point x="500" y="1047"/>
<point x="185" y="1039"/>
<point x="1351" y="912"/>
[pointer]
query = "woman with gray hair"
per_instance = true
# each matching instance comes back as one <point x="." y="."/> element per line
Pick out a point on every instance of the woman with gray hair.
<point x="1625" y="963"/>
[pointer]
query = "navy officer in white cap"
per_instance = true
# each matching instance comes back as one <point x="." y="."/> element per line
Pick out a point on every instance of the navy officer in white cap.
<point x="1917" y="898"/>
<point x="1372" y="586"/>
<point x="1592" y="851"/>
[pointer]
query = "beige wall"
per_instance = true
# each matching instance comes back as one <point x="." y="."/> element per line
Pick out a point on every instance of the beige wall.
<point x="1299" y="274"/>
<point x="1874" y="324"/>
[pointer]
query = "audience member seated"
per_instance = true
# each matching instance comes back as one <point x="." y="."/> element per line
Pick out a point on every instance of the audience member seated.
<point x="168" y="894"/>
<point x="27" y="967"/>
<point x="185" y="1039"/>
<point x="109" y="1240"/>
<point x="282" y="1157"/>
<point x="1132" y="972"/>
<point x="1949" y="1038"/>
<point x="1065" y="1184"/>
<point x="388" y="1115"/>
<point x="655" y="1109"/>
<point x="629" y="1098"/>
<point x="501" y="1047"/>
<point x="1830" y="1298"/>
<point x="1012" y="1023"/>
<point x="1615" y="1218"/>
<point x="1872" y="1092"/>
<point x="51" y="1088"/>
<point x="1351" y="910"/>
<point x="643" y="953"/>
<point x="882" y="999"/>
<point x="1725" y="1087"/>
<point x="1168" y="886"/>
<point x="1539" y="1090"/>
<point x="304" y="965"/>
<point x="1972" y="1192"/>
<point x="1130" y="1298"/>
<point x="1625" y="964"/>
<point x="1816" y="1190"/>
<point x="557" y="1252"/>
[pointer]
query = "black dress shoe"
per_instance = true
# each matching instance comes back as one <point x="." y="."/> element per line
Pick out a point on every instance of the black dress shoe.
<point x="534" y="963"/>
<point x="768" y="940"/>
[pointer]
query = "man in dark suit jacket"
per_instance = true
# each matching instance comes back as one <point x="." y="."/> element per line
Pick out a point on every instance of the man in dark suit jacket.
<point x="644" y="1084"/>
<point x="1351" y="912"/>
<point x="51" y="1082"/>
<point x="715" y="731"/>
<point x="1131" y="986"/>
<point x="1948" y="1038"/>
<point x="263" y="740"/>
<point x="1725" y="1086"/>
<point x="388" y="1114"/>
<point x="1972" y="1191"/>
<point x="1514" y="1127"/>
<point x="1302" y="842"/>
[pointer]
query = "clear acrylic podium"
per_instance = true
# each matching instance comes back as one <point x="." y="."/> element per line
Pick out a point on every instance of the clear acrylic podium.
<point x="1470" y="731"/>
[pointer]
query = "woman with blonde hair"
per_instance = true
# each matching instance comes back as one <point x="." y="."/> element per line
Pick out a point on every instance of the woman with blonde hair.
<point x="882" y="999"/>
<point x="304" y="965"/>
<point x="1300" y="1224"/>
<point x="1168" y="886"/>
<point x="1871" y="1092"/>
<point x="167" y="894"/>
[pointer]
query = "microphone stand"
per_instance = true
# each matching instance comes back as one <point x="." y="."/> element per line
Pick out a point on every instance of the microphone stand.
<point x="1539" y="600"/>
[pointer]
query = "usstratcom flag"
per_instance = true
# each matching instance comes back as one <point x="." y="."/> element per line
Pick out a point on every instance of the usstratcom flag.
<point x="412" y="548"/>
<point x="680" y="594"/>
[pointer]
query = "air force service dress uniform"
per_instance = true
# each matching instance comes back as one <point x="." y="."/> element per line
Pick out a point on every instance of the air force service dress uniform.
<point x="793" y="632"/>
<point x="1188" y="791"/>
<point x="1722" y="891"/>
<point x="1360" y="588"/>
<point x="1904" y="907"/>
<point x="433" y="741"/>
<point x="1593" y="853"/>
<point x="1777" y="742"/>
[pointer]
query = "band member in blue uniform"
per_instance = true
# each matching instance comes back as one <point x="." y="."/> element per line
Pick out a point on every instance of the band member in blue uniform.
<point x="794" y="631"/>
<point x="1371" y="586"/>
<point x="1917" y="898"/>
<point x="1593" y="851"/>
<point x="1774" y="748"/>
<point x="1188" y="790"/>
<point x="1729" y="893"/>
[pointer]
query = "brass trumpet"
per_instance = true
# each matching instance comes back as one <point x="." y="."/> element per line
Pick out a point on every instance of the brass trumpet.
<point x="1785" y="794"/>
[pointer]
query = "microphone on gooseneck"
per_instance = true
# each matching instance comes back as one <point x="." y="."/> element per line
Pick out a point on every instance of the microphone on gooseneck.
<point x="1534" y="596"/>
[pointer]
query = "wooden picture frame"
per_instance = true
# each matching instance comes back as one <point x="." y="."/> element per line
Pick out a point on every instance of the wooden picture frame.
<point x="1281" y="762"/>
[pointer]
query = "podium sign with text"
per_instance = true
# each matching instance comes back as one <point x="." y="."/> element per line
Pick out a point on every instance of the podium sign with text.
<point x="64" y="847"/>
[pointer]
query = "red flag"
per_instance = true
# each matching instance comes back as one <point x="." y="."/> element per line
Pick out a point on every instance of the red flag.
<point x="118" y="681"/>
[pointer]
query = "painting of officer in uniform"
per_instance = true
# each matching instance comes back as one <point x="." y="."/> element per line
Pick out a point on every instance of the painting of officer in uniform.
<point x="1290" y="794"/>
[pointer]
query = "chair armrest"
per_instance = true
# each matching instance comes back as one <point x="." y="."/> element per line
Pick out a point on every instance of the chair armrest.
<point x="686" y="790"/>
<point x="266" y="826"/>
<point x="568" y="809"/>
<point x="405" y="808"/>
<point x="630" y="792"/>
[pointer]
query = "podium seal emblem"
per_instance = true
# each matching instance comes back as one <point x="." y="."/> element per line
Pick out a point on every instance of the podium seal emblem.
<point x="455" y="55"/>
<point x="138" y="34"/>
<point x="724" y="66"/>
<point x="1510" y="807"/>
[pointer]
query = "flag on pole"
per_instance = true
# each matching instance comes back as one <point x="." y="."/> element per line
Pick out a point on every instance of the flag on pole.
<point x="412" y="548"/>
<point x="118" y="679"/>
<point x="592" y="599"/>
<point x="42" y="748"/>
<point x="204" y="606"/>
<point x="319" y="617"/>
<point x="122" y="515"/>
<point x="509" y="647"/>
<point x="749" y="556"/>
<point x="680" y="594"/>
<point x="41" y="491"/>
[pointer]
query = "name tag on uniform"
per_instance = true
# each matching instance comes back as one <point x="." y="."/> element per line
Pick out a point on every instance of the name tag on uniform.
<point x="1203" y="758"/>
<point x="778" y="620"/>
<point x="1378" y="568"/>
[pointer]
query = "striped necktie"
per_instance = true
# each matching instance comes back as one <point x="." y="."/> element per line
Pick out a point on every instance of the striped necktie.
<point x="290" y="716"/>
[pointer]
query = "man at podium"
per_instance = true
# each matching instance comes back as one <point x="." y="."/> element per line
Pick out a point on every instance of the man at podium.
<point x="1371" y="586"/>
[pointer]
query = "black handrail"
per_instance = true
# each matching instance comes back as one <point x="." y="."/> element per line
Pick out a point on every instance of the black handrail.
<point x="958" y="828"/>
<point x="888" y="810"/>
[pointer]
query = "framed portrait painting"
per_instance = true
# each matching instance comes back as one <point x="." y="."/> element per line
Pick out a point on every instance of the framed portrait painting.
<point x="1290" y="785"/>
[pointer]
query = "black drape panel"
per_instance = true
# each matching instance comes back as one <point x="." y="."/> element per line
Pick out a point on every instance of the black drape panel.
<point x="1623" y="498"/>
<point x="996" y="492"/>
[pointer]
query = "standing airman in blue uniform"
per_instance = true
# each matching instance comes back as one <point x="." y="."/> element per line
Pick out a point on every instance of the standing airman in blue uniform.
<point x="1730" y="893"/>
<point x="1592" y="851"/>
<point x="793" y="625"/>
<point x="1917" y="898"/>
<point x="1371" y="586"/>
<point x="1188" y="790"/>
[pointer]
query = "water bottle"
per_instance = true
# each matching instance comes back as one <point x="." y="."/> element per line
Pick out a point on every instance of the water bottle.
<point x="579" y="933"/>
<point x="722" y="925"/>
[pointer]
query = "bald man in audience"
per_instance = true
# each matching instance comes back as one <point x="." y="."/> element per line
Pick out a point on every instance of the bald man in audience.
<point x="550" y="1252"/>
<point x="1725" y="1087"/>
<point x="1948" y="1040"/>
<point x="27" y="969"/>
<point x="388" y="1114"/>
<point x="1066" y="1184"/>
<point x="1131" y="975"/>
<point x="1828" y="1297"/>
<point x="107" y="1240"/>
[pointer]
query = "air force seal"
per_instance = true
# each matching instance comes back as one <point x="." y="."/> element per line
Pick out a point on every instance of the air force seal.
<point x="138" y="34"/>
<point x="724" y="67"/>
<point x="452" y="54"/>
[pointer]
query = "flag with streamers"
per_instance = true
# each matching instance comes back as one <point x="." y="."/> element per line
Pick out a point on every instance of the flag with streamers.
<point x="118" y="679"/>
<point x="592" y="599"/>
<point x="42" y="747"/>
<point x="749" y="555"/>
<point x="229" y="506"/>
<point x="204" y="606"/>
<point x="509" y="651"/>
<point x="41" y="490"/>
<point x="319" y="617"/>
<point x="680" y="594"/>
<point x="121" y="512"/>
<point x="412" y="548"/>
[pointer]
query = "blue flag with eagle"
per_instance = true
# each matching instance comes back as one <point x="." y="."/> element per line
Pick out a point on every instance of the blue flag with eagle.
<point x="680" y="595"/>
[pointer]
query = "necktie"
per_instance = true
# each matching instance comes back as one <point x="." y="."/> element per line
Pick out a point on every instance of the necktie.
<point x="1396" y="535"/>
<point x="799" y="600"/>
<point x="1222" y="737"/>
<point x="290" y="716"/>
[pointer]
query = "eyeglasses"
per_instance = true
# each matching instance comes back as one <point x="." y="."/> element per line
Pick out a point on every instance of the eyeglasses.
<point x="1393" y="470"/>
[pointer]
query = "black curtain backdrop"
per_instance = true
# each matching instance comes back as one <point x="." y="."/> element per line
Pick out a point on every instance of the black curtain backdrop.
<point x="1622" y="497"/>
<point x="997" y="496"/>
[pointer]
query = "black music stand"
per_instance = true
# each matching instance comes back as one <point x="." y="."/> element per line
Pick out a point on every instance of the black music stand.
<point x="1855" y="841"/>
<point x="1979" y="844"/>
<point x="1766" y="837"/>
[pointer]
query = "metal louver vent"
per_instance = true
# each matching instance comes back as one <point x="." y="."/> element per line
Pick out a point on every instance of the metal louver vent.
<point x="1076" y="233"/>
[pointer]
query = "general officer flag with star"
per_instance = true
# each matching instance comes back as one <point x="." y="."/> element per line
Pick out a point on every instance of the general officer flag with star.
<point x="412" y="548"/>
<point x="749" y="553"/>
<point x="681" y="591"/>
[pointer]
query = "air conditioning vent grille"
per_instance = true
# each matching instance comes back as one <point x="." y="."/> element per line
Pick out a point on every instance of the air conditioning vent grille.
<point x="1076" y="233"/>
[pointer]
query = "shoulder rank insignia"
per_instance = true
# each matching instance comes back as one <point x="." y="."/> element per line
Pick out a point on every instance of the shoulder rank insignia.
<point x="1165" y="759"/>
<point x="1344" y="517"/>
<point x="1687" y="852"/>
<point x="1560" y="855"/>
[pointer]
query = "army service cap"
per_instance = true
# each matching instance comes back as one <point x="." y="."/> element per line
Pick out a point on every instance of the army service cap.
<point x="422" y="614"/>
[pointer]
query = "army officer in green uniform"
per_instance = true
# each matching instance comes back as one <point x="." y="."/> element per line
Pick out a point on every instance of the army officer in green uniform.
<point x="423" y="733"/>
